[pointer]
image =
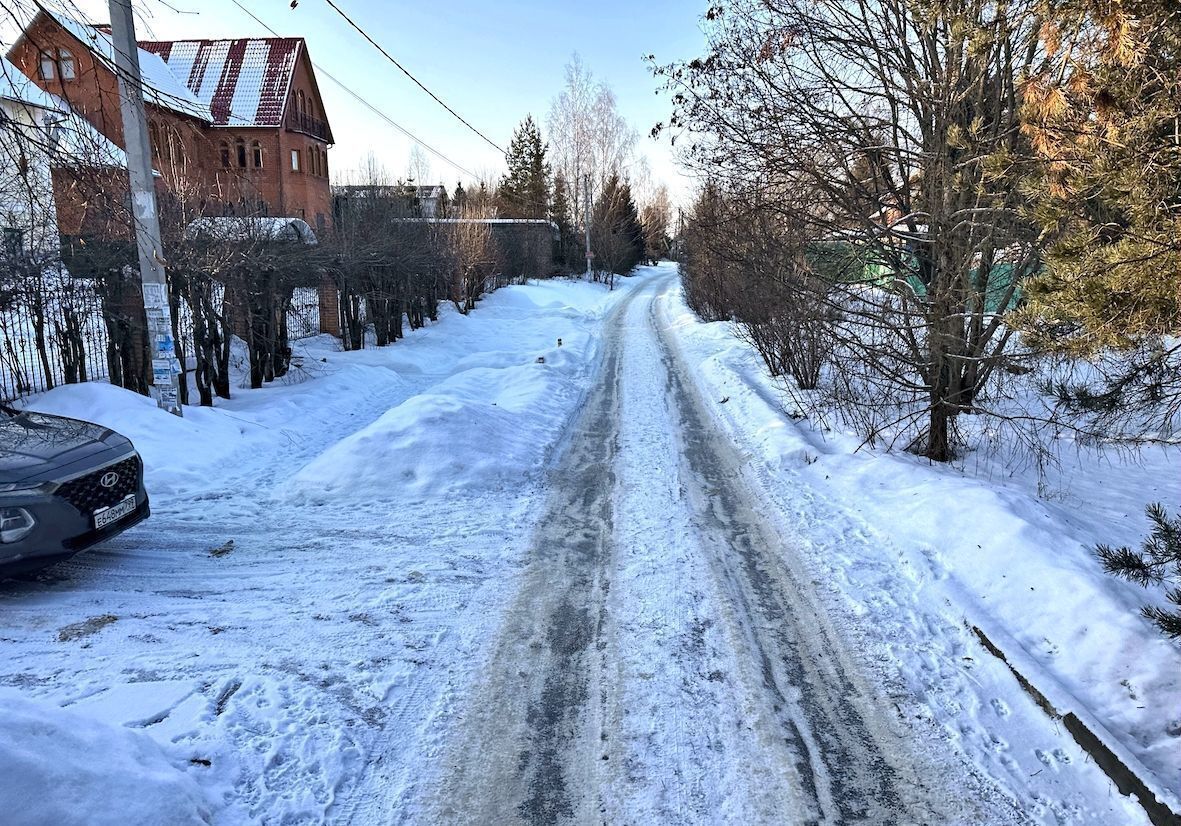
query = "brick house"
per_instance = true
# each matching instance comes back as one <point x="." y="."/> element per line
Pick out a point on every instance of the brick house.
<point x="269" y="134"/>
<point x="237" y="126"/>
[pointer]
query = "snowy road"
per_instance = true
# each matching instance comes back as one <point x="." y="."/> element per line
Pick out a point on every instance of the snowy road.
<point x="661" y="661"/>
<point x="479" y="579"/>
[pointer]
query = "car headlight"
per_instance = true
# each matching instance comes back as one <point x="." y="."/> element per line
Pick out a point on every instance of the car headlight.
<point x="15" y="524"/>
<point x="21" y="487"/>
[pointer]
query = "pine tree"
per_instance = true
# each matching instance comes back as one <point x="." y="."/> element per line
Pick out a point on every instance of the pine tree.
<point x="616" y="232"/>
<point x="524" y="190"/>
<point x="560" y="215"/>
<point x="1102" y="116"/>
<point x="1158" y="562"/>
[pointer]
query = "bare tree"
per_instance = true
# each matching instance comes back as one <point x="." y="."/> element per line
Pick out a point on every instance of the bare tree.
<point x="471" y="256"/>
<point x="901" y="121"/>
<point x="589" y="140"/>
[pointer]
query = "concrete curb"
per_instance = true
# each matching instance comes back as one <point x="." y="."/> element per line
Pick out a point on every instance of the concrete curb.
<point x="1126" y="778"/>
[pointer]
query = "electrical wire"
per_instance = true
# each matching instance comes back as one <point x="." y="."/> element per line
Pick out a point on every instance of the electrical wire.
<point x="320" y="69"/>
<point x="417" y="82"/>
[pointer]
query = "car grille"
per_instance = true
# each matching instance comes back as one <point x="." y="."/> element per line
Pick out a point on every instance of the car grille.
<point x="87" y="493"/>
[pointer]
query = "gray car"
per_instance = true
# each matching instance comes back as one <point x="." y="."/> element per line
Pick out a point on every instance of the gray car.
<point x="65" y="485"/>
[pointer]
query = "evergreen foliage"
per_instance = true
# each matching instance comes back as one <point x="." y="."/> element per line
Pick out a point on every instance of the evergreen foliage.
<point x="1158" y="562"/>
<point x="617" y="236"/>
<point x="1102" y="115"/>
<point x="560" y="213"/>
<point x="524" y="190"/>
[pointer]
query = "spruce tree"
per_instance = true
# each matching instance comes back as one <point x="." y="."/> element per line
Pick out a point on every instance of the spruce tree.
<point x="524" y="190"/>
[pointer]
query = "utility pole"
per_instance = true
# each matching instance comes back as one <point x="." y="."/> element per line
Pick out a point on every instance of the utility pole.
<point x="587" y="223"/>
<point x="143" y="207"/>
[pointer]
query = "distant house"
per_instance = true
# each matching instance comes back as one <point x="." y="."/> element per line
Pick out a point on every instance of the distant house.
<point x="237" y="126"/>
<point x="432" y="201"/>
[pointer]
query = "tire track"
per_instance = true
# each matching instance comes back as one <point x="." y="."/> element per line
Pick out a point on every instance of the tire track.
<point x="530" y="745"/>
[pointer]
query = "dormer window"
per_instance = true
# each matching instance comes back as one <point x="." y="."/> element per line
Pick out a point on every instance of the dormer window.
<point x="65" y="62"/>
<point x="48" y="67"/>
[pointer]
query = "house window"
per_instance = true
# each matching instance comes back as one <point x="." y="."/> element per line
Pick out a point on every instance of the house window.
<point x="301" y="106"/>
<point x="324" y="163"/>
<point x="295" y="160"/>
<point x="48" y="69"/>
<point x="256" y="152"/>
<point x="240" y="145"/>
<point x="154" y="137"/>
<point x="225" y="154"/>
<point x="66" y="63"/>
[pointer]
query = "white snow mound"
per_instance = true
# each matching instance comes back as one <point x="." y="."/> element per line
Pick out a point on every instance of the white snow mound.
<point x="59" y="768"/>
<point x="482" y="428"/>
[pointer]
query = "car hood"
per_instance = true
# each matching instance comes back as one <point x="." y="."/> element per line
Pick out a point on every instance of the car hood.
<point x="40" y="446"/>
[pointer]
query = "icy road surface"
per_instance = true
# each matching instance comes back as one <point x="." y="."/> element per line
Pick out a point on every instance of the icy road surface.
<point x="661" y="662"/>
<point x="631" y="635"/>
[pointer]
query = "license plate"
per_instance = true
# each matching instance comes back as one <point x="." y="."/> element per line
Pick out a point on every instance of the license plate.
<point x="108" y="516"/>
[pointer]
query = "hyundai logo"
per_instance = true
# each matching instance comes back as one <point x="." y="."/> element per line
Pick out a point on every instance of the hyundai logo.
<point x="109" y="480"/>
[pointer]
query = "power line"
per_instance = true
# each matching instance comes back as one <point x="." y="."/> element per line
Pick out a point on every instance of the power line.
<point x="369" y="105"/>
<point x="417" y="82"/>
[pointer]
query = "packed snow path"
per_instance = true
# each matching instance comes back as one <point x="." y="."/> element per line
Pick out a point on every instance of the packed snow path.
<point x="661" y="661"/>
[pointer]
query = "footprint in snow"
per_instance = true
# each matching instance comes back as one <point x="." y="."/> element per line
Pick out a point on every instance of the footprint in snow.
<point x="1047" y="759"/>
<point x="999" y="706"/>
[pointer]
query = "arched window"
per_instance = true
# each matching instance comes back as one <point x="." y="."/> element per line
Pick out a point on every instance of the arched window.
<point x="48" y="66"/>
<point x="65" y="61"/>
<point x="225" y="154"/>
<point x="256" y="153"/>
<point x="301" y="106"/>
<point x="324" y="163"/>
<point x="240" y="146"/>
<point x="315" y="160"/>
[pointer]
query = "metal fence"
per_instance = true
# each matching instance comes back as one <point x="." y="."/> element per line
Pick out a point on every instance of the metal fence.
<point x="53" y="333"/>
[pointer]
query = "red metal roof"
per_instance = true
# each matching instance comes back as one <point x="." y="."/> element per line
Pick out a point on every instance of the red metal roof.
<point x="244" y="82"/>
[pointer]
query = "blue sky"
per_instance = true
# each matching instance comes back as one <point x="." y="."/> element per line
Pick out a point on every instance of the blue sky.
<point x="494" y="62"/>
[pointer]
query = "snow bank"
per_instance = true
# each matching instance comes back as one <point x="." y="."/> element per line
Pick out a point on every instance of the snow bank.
<point x="211" y="435"/>
<point x="486" y="426"/>
<point x="985" y="544"/>
<point x="62" y="768"/>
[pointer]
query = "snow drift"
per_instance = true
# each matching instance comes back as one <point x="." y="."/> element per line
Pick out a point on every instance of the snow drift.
<point x="62" y="768"/>
<point x="485" y="427"/>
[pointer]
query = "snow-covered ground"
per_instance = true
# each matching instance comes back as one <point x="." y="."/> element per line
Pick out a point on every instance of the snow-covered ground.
<point x="410" y="584"/>
<point x="377" y="511"/>
<point x="908" y="547"/>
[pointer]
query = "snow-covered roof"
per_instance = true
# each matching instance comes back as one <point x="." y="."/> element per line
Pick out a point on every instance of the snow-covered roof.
<point x="66" y="133"/>
<point x="243" y="82"/>
<point x="161" y="86"/>
<point x="16" y="87"/>
<point x="233" y="228"/>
